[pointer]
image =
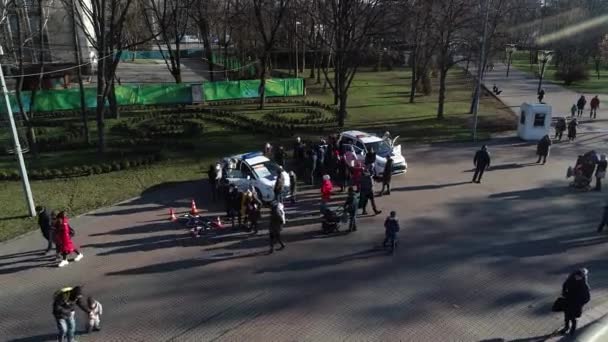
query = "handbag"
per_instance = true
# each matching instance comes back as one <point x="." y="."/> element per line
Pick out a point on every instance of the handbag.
<point x="559" y="305"/>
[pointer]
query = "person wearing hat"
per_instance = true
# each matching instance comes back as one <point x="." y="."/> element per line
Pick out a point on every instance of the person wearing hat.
<point x="481" y="162"/>
<point x="575" y="291"/>
<point x="65" y="301"/>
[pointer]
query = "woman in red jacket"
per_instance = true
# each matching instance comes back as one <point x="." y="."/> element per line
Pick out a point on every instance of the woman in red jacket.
<point x="326" y="188"/>
<point x="63" y="236"/>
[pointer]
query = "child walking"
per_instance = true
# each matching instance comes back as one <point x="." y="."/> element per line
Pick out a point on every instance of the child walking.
<point x="96" y="310"/>
<point x="391" y="226"/>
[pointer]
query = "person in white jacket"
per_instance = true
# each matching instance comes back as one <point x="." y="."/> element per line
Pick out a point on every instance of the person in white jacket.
<point x="96" y="310"/>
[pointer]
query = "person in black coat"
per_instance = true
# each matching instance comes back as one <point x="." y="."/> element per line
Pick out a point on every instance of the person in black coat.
<point x="604" y="221"/>
<point x="600" y="172"/>
<point x="580" y="105"/>
<point x="367" y="193"/>
<point x="575" y="290"/>
<point x="572" y="129"/>
<point x="560" y="127"/>
<point x="46" y="227"/>
<point x="481" y="162"/>
<point x="542" y="148"/>
<point x="211" y="176"/>
<point x="387" y="175"/>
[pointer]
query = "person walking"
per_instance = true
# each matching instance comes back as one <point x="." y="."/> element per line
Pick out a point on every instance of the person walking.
<point x="277" y="220"/>
<point x="594" y="104"/>
<point x="481" y="161"/>
<point x="580" y="105"/>
<point x="572" y="129"/>
<point x="46" y="227"/>
<point x="600" y="172"/>
<point x="387" y="175"/>
<point x="604" y="221"/>
<point x="64" y="233"/>
<point x="575" y="290"/>
<point x="541" y="95"/>
<point x="560" y="127"/>
<point x="350" y="207"/>
<point x="573" y="110"/>
<point x="279" y="184"/>
<point x="64" y="303"/>
<point x="343" y="173"/>
<point x="254" y="212"/>
<point x="367" y="193"/>
<point x="542" y="148"/>
<point x="391" y="227"/>
<point x="95" y="313"/>
<point x="293" y="186"/>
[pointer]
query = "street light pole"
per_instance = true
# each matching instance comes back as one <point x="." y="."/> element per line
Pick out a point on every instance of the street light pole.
<point x="482" y="57"/>
<point x="296" y="42"/>
<point x="546" y="57"/>
<point x="510" y="50"/>
<point x="24" y="178"/>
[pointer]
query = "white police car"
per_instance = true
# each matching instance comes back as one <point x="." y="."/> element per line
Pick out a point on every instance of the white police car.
<point x="357" y="144"/>
<point x="253" y="170"/>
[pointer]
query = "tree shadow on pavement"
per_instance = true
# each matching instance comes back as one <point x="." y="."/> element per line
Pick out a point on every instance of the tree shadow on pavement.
<point x="37" y="338"/>
<point x="428" y="187"/>
<point x="536" y="193"/>
<point x="185" y="264"/>
<point x="305" y="265"/>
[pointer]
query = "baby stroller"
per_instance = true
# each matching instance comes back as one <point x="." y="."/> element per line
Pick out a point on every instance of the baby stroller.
<point x="582" y="172"/>
<point x="331" y="220"/>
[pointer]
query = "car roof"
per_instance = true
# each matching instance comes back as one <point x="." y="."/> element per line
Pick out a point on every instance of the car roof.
<point x="250" y="158"/>
<point x="362" y="136"/>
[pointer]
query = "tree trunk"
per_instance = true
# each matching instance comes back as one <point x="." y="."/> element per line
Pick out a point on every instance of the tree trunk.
<point x="414" y="65"/>
<point x="442" y="77"/>
<point x="262" y="89"/>
<point x="77" y="58"/>
<point x="100" y="113"/>
<point x="342" y="108"/>
<point x="319" y="62"/>
<point x="313" y="66"/>
<point x="208" y="52"/>
<point x="113" y="102"/>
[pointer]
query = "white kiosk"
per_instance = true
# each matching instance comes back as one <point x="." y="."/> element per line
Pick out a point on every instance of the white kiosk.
<point x="534" y="121"/>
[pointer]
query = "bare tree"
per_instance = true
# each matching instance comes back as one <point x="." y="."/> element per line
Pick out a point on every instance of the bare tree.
<point x="201" y="16"/>
<point x="420" y="18"/>
<point x="269" y="15"/>
<point x="168" y="21"/>
<point x="78" y="61"/>
<point x="350" y="25"/>
<point x="107" y="19"/>
<point x="451" y="18"/>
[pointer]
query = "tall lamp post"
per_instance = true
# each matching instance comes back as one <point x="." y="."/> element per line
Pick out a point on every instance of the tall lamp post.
<point x="24" y="178"/>
<point x="296" y="43"/>
<point x="544" y="57"/>
<point x="509" y="48"/>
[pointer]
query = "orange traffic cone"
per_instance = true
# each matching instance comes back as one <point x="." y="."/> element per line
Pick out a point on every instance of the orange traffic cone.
<point x="193" y="210"/>
<point x="172" y="217"/>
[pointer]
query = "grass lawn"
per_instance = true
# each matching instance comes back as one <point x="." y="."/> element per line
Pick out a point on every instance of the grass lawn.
<point x="591" y="86"/>
<point x="378" y="101"/>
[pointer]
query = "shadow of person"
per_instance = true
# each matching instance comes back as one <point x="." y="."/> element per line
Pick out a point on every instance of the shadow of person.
<point x="428" y="187"/>
<point x="37" y="338"/>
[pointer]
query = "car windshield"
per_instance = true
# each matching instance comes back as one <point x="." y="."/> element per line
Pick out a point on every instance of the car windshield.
<point x="380" y="147"/>
<point x="265" y="169"/>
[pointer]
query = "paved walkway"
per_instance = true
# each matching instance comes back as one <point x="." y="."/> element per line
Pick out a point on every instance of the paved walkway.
<point x="475" y="263"/>
<point x="521" y="87"/>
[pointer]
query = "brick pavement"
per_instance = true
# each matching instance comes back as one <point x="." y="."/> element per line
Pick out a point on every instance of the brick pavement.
<point x="476" y="262"/>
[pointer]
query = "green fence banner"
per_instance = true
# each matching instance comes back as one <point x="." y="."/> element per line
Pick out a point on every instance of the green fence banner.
<point x="156" y="94"/>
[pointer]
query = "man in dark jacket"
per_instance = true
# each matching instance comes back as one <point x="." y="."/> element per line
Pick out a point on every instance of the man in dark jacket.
<point x="594" y="104"/>
<point x="64" y="303"/>
<point x="211" y="176"/>
<point x="277" y="220"/>
<point x="367" y="192"/>
<point x="387" y="175"/>
<point x="576" y="292"/>
<point x="370" y="160"/>
<point x="572" y="129"/>
<point x="560" y="127"/>
<point x="604" y="221"/>
<point x="580" y="104"/>
<point x="391" y="227"/>
<point x="481" y="162"/>
<point x="350" y="207"/>
<point x="600" y="172"/>
<point x="542" y="148"/>
<point x="279" y="156"/>
<point x="46" y="228"/>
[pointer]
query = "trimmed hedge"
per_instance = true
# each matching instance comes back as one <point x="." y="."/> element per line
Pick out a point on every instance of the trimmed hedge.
<point x="86" y="170"/>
